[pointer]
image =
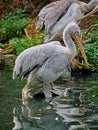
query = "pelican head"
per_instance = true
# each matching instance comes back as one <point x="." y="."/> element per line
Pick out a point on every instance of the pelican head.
<point x="72" y="30"/>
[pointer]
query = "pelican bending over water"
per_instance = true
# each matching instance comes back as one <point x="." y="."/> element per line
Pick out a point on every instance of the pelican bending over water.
<point x="47" y="62"/>
<point x="56" y="15"/>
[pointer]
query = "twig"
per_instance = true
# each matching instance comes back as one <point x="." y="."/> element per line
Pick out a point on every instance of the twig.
<point x="90" y="28"/>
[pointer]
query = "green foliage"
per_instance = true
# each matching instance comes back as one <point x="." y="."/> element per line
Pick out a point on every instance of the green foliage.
<point x="92" y="53"/>
<point x="1" y="45"/>
<point x="23" y="43"/>
<point x="91" y="49"/>
<point x="12" y="26"/>
<point x="18" y="13"/>
<point x="95" y="21"/>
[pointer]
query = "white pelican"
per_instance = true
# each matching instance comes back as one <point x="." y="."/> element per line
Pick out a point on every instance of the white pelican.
<point x="56" y="15"/>
<point x="45" y="63"/>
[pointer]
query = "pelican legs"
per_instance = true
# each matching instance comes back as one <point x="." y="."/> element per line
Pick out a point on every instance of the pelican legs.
<point x="51" y="86"/>
<point x="26" y="94"/>
<point x="29" y="90"/>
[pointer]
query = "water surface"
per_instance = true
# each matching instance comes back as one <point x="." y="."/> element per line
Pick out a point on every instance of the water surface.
<point x="76" y="108"/>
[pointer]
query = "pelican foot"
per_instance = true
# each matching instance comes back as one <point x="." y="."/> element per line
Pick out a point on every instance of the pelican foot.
<point x="76" y="65"/>
<point x="26" y="94"/>
<point x="56" y="92"/>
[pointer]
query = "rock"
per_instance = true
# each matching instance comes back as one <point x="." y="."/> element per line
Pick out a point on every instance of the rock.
<point x="9" y="59"/>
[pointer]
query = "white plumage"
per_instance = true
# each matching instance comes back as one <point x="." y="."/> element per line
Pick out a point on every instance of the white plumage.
<point x="46" y="62"/>
<point x="56" y="15"/>
<point x="33" y="57"/>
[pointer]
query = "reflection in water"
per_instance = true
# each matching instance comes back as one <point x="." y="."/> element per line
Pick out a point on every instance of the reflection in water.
<point x="58" y="113"/>
<point x="76" y="108"/>
<point x="38" y="115"/>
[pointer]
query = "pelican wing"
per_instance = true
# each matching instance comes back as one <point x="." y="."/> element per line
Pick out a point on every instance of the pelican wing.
<point x="32" y="58"/>
<point x="57" y="29"/>
<point x="54" y="67"/>
<point x="49" y="15"/>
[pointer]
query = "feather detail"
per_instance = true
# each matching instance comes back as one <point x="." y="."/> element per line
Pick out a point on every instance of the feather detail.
<point x="49" y="15"/>
<point x="32" y="58"/>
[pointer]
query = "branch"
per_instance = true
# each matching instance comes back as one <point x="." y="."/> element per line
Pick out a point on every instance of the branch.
<point x="90" y="28"/>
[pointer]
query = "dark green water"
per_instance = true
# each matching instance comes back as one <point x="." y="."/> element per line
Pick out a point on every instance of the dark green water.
<point x="75" y="109"/>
